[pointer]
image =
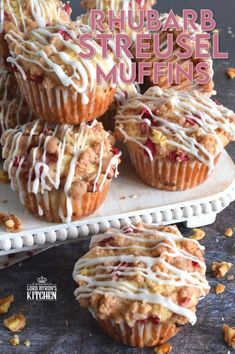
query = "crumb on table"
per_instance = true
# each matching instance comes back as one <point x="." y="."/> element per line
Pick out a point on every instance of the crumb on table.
<point x="220" y="269"/>
<point x="15" y="323"/>
<point x="27" y="343"/>
<point x="219" y="289"/>
<point x="229" y="335"/>
<point x="231" y="73"/>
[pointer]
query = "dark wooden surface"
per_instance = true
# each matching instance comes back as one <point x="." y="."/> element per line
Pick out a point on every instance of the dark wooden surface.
<point x="46" y="327"/>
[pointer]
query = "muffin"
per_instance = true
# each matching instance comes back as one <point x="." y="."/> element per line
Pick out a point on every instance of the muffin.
<point x="23" y="16"/>
<point x="163" y="80"/>
<point x="61" y="172"/>
<point x="142" y="283"/>
<point x="174" y="138"/>
<point x="13" y="108"/>
<point x="58" y="84"/>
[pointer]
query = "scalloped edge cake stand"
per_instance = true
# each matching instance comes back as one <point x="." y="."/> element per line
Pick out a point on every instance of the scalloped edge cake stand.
<point x="129" y="201"/>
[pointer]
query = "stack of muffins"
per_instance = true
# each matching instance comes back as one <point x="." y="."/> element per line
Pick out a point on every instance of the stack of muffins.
<point x="62" y="163"/>
<point x="143" y="282"/>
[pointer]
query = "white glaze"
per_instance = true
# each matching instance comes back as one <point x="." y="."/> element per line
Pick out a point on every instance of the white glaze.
<point x="104" y="283"/>
<point x="184" y="104"/>
<point x="43" y="12"/>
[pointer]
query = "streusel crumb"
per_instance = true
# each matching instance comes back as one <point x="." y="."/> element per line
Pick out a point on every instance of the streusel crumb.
<point x="14" y="341"/>
<point x="27" y="343"/>
<point x="231" y="73"/>
<point x="219" y="288"/>
<point x="15" y="323"/>
<point x="220" y="269"/>
<point x="229" y="335"/>
<point x="198" y="234"/>
<point x="228" y="232"/>
<point x="5" y="304"/>
<point x="164" y="348"/>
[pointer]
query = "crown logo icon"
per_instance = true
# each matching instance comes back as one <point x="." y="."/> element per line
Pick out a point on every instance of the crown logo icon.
<point x="41" y="280"/>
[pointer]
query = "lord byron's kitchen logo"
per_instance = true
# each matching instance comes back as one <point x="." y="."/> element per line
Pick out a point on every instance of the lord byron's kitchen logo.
<point x="41" y="290"/>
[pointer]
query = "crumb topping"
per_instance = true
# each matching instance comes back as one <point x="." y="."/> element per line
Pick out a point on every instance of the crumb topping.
<point x="51" y="56"/>
<point x="25" y="15"/>
<point x="142" y="273"/>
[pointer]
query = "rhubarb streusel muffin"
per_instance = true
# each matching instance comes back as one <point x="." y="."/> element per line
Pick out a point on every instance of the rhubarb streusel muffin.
<point x="13" y="108"/>
<point x="58" y="84"/>
<point x="61" y="172"/>
<point x="142" y="283"/>
<point x="179" y="81"/>
<point x="174" y="138"/>
<point x="25" y="15"/>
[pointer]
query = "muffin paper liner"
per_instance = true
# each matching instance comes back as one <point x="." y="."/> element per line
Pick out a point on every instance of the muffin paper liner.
<point x="167" y="175"/>
<point x="141" y="334"/>
<point x="62" y="105"/>
<point x="47" y="205"/>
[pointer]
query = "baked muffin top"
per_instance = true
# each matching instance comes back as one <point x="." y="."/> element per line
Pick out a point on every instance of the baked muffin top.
<point x="51" y="56"/>
<point x="25" y="15"/>
<point x="13" y="108"/>
<point x="142" y="273"/>
<point x="41" y="157"/>
<point x="176" y="125"/>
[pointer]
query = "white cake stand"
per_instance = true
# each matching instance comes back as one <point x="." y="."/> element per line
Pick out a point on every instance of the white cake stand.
<point x="129" y="201"/>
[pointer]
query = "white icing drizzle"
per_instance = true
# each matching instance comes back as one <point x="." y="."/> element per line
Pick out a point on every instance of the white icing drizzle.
<point x="101" y="269"/>
<point x="9" y="104"/>
<point x="83" y="78"/>
<point x="40" y="180"/>
<point x="207" y="114"/>
<point x="43" y="12"/>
